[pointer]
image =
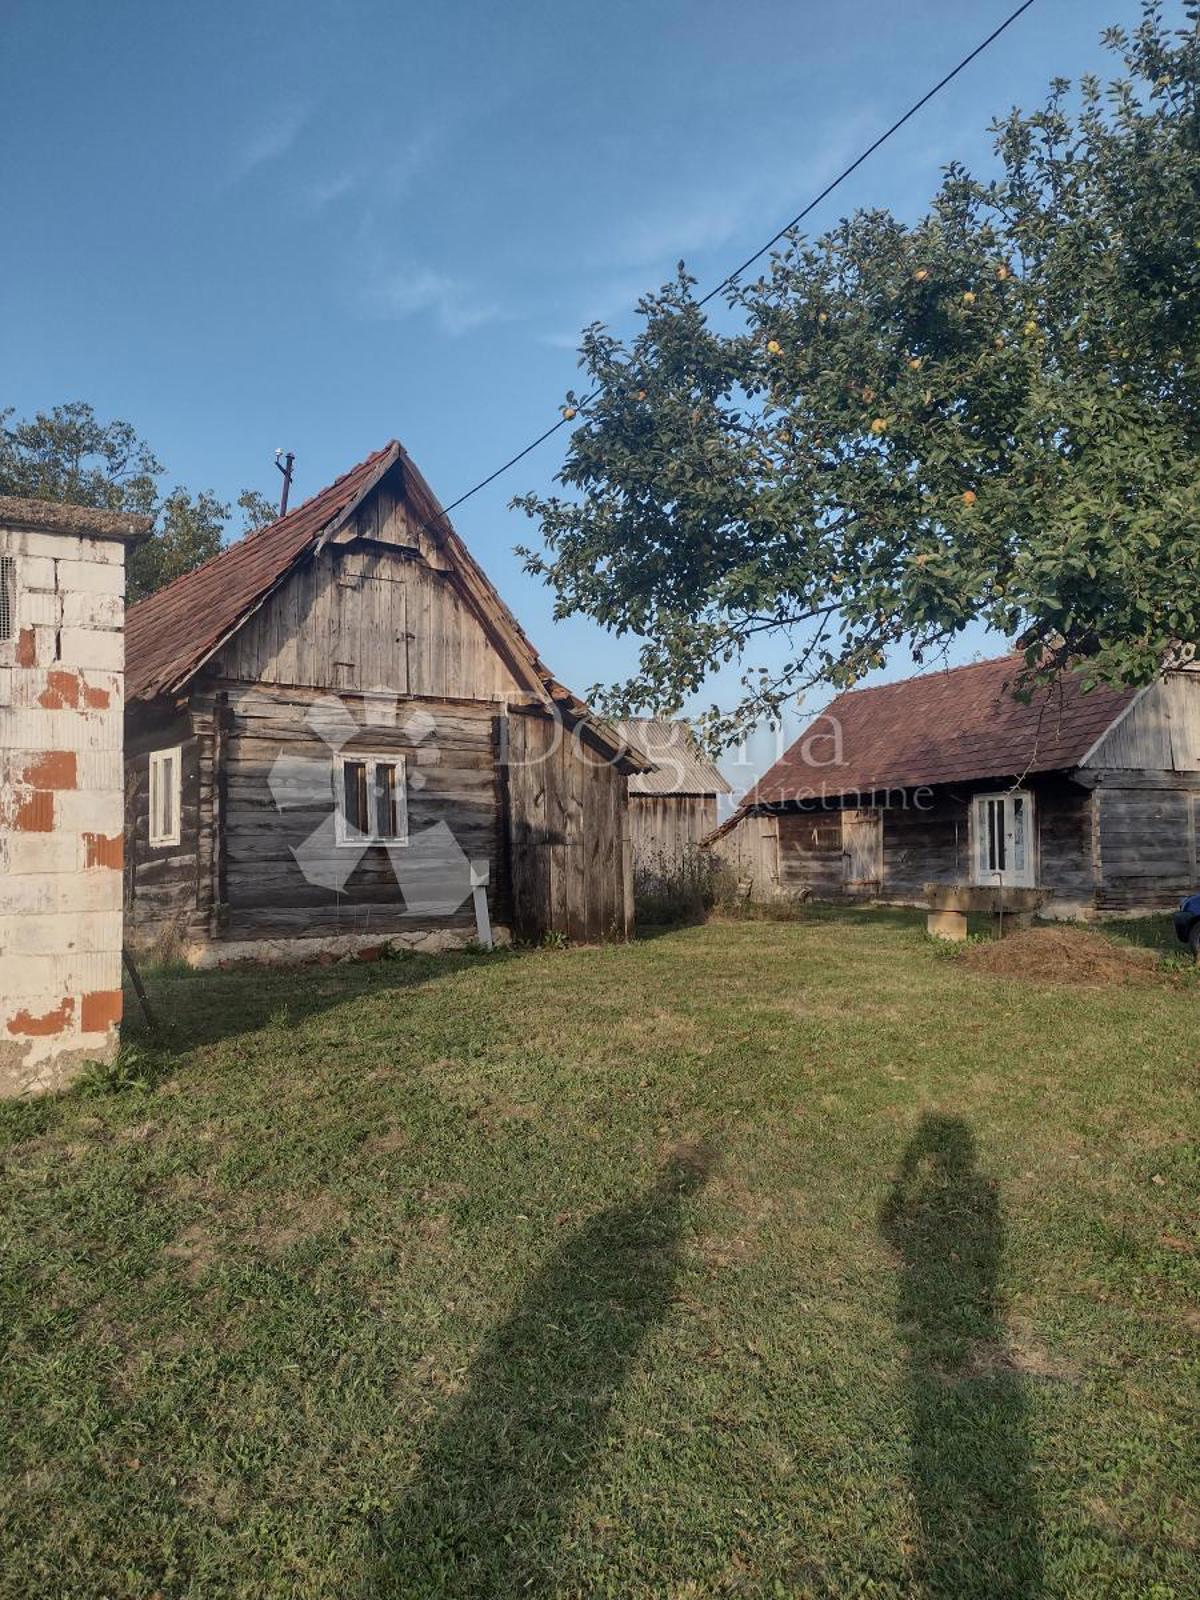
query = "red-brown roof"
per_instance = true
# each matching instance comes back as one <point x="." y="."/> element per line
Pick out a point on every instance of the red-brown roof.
<point x="172" y="633"/>
<point x="945" y="727"/>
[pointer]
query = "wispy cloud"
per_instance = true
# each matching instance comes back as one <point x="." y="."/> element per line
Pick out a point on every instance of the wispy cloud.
<point x="741" y="212"/>
<point x="322" y="192"/>
<point x="703" y="224"/>
<point x="401" y="292"/>
<point x="271" y="140"/>
<point x="379" y="175"/>
<point x="400" y="168"/>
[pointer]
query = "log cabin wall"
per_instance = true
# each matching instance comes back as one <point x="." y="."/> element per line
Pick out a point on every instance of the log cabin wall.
<point x="451" y="751"/>
<point x="572" y="857"/>
<point x="1146" y="839"/>
<point x="166" y="886"/>
<point x="926" y="839"/>
<point x="810" y="854"/>
<point x="379" y="622"/>
<point x="371" y="646"/>
<point x="1145" y="775"/>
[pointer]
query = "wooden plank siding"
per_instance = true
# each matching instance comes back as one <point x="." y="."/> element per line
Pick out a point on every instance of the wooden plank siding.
<point x="663" y="826"/>
<point x="926" y="839"/>
<point x="751" y="851"/>
<point x="360" y="619"/>
<point x="1146" y="839"/>
<point x="1159" y="733"/>
<point x="570" y="854"/>
<point x="168" y="888"/>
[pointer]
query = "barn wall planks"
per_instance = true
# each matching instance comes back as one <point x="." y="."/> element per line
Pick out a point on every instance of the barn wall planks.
<point x="380" y="643"/>
<point x="669" y="825"/>
<point x="168" y="888"/>
<point x="567" y="811"/>
<point x="1147" y="839"/>
<point x="751" y="850"/>
<point x="926" y="839"/>
<point x="810" y="853"/>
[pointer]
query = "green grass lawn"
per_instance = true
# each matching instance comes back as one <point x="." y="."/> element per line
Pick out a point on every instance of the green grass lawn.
<point x="779" y="1259"/>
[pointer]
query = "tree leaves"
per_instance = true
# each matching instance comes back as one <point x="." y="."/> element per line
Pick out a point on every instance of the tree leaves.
<point x="68" y="454"/>
<point x="992" y="413"/>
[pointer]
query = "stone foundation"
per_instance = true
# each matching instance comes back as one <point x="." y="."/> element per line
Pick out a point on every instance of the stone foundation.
<point x="289" y="952"/>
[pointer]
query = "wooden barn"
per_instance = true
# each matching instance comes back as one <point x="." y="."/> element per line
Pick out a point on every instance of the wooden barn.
<point x="673" y="807"/>
<point x="335" y="728"/>
<point x="1092" y="799"/>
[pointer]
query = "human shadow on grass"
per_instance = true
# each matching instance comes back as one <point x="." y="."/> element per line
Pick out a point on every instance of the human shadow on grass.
<point x="485" y="1514"/>
<point x="969" y="1452"/>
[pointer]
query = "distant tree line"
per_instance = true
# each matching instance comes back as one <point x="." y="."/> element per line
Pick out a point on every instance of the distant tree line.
<point x="68" y="454"/>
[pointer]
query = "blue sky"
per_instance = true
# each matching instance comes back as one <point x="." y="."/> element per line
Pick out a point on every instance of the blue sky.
<point x="321" y="225"/>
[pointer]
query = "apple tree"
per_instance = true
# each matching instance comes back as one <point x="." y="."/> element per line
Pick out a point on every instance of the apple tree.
<point x="992" y="413"/>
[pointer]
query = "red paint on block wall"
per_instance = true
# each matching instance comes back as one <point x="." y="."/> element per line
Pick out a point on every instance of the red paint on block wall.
<point x="61" y="691"/>
<point x="54" y="770"/>
<point x="26" y="648"/>
<point x="96" y="699"/>
<point x="101" y="1009"/>
<point x="104" y="850"/>
<point x="34" y="813"/>
<point x="51" y="1022"/>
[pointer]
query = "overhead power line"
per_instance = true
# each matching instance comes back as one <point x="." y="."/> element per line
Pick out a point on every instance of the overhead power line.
<point x="732" y="277"/>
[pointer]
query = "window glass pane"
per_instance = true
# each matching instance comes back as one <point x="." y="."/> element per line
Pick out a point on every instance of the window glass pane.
<point x="980" y="840"/>
<point x="385" y="801"/>
<point x="1018" y="833"/>
<point x="1001" y="836"/>
<point x="168" y="793"/>
<point x="355" y="784"/>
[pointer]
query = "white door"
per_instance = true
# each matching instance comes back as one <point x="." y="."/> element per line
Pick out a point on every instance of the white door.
<point x="1004" y="849"/>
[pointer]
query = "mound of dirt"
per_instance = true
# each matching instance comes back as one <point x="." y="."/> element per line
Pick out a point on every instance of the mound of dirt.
<point x="1063" y="955"/>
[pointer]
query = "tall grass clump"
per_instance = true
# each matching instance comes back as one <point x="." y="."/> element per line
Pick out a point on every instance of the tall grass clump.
<point x="680" y="886"/>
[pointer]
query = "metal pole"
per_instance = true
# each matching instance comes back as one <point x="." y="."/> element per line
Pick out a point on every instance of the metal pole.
<point x="135" y="978"/>
<point x="285" y="466"/>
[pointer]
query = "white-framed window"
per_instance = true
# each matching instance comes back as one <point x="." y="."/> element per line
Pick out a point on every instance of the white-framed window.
<point x="1005" y="846"/>
<point x="371" y="800"/>
<point x="166" y="789"/>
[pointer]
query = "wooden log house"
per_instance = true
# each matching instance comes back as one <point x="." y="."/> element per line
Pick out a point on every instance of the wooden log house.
<point x="333" y="719"/>
<point x="1092" y="798"/>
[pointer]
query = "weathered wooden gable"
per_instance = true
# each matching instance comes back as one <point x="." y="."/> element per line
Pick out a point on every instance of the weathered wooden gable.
<point x="377" y="607"/>
<point x="1160" y="732"/>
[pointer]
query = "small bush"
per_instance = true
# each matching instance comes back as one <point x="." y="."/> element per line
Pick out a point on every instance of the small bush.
<point x="683" y="887"/>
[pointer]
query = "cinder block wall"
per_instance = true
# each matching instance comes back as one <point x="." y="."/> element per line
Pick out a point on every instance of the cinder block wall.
<point x="61" y="788"/>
